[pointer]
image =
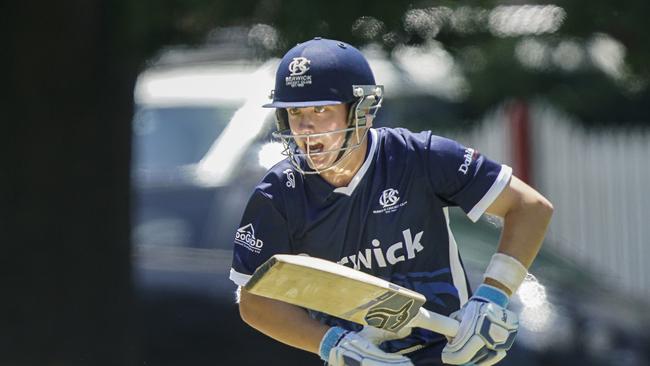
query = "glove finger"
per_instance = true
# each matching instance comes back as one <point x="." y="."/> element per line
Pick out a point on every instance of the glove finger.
<point x="465" y="354"/>
<point x="377" y="336"/>
<point x="468" y="323"/>
<point x="493" y="359"/>
<point x="371" y="362"/>
<point x="357" y="351"/>
<point x="377" y="354"/>
<point x="351" y="358"/>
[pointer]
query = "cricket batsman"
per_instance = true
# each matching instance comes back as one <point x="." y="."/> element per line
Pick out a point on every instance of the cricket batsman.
<point x="377" y="200"/>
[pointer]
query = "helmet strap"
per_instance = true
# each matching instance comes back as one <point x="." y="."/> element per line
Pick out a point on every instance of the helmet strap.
<point x="281" y="119"/>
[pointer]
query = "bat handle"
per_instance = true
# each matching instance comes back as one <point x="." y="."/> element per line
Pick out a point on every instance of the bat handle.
<point x="436" y="322"/>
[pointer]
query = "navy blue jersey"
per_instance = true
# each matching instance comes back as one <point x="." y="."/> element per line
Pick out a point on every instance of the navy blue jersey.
<point x="391" y="220"/>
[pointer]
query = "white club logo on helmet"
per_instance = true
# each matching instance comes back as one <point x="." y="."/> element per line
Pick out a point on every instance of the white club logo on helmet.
<point x="299" y="66"/>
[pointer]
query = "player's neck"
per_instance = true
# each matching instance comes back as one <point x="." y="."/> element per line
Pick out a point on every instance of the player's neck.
<point x="342" y="175"/>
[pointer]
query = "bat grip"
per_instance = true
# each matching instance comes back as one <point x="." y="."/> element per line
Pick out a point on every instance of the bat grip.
<point x="436" y="322"/>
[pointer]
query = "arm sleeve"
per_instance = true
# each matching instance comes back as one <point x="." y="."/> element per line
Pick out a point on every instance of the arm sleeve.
<point x="461" y="176"/>
<point x="261" y="234"/>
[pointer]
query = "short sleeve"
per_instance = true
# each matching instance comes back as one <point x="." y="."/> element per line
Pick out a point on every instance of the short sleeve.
<point x="462" y="176"/>
<point x="261" y="234"/>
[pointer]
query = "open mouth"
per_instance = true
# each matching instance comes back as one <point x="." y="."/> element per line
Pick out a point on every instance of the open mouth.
<point x="315" y="148"/>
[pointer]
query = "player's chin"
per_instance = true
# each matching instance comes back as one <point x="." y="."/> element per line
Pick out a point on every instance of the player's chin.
<point x="321" y="161"/>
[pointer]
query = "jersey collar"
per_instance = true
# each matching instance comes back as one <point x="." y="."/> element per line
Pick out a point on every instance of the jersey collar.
<point x="349" y="189"/>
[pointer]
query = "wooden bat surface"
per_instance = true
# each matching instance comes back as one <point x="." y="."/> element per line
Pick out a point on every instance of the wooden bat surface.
<point x="346" y="293"/>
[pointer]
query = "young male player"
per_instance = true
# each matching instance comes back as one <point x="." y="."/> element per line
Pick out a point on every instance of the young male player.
<point x="377" y="200"/>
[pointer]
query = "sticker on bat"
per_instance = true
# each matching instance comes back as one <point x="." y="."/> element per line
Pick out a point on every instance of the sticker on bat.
<point x="390" y="317"/>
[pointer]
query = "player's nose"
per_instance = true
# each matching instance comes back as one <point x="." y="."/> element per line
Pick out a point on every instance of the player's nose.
<point x="305" y="123"/>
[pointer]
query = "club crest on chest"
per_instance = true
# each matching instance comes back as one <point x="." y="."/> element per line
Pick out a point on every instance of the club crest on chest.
<point x="389" y="201"/>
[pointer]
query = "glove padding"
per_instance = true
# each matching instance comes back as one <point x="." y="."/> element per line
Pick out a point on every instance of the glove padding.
<point x="487" y="330"/>
<point x="354" y="350"/>
<point x="378" y="336"/>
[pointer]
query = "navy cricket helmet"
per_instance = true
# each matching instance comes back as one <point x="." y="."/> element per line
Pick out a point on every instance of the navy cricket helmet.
<point x="324" y="72"/>
<point x="319" y="72"/>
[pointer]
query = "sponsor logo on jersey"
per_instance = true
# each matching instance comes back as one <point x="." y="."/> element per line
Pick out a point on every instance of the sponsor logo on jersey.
<point x="291" y="179"/>
<point x="298" y="67"/>
<point x="245" y="236"/>
<point x="389" y="201"/>
<point x="469" y="156"/>
<point x="384" y="256"/>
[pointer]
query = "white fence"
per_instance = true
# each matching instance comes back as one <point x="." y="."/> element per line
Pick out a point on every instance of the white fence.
<point x="599" y="183"/>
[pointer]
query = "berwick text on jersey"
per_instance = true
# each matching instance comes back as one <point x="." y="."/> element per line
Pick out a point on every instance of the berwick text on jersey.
<point x="394" y="253"/>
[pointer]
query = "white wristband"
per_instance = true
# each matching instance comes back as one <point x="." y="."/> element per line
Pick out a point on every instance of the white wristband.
<point x="507" y="271"/>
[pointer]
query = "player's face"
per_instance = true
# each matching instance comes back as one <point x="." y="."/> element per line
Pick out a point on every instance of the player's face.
<point x="327" y="122"/>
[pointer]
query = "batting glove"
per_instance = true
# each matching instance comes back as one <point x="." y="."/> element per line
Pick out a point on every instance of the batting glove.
<point x="378" y="336"/>
<point x="341" y="347"/>
<point x="487" y="329"/>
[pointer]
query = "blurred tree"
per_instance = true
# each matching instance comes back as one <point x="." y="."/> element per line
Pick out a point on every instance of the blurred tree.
<point x="590" y="58"/>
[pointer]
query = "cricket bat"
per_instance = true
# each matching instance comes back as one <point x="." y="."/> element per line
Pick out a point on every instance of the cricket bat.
<point x="346" y="293"/>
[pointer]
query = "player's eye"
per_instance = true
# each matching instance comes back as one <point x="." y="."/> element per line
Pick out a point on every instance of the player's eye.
<point x="293" y="111"/>
<point x="319" y="109"/>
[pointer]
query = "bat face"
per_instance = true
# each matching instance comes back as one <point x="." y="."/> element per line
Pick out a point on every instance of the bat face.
<point x="336" y="290"/>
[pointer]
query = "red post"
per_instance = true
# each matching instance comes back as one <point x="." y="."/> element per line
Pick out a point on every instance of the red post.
<point x="519" y="121"/>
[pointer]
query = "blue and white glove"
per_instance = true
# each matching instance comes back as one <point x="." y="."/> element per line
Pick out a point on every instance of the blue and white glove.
<point x="378" y="336"/>
<point x="340" y="347"/>
<point x="487" y="329"/>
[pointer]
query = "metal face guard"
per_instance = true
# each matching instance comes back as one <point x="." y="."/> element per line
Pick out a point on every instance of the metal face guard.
<point x="369" y="102"/>
<point x="295" y="155"/>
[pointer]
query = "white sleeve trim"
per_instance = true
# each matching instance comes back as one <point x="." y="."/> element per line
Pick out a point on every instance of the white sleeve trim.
<point x="239" y="279"/>
<point x="499" y="184"/>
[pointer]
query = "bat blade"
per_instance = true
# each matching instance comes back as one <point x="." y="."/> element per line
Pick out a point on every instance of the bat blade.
<point x="343" y="292"/>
